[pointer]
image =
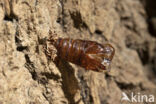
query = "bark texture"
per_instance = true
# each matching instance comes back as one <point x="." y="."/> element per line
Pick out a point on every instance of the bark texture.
<point x="27" y="76"/>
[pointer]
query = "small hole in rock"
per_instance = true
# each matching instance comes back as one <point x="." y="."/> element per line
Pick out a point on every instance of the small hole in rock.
<point x="8" y="18"/>
<point x="99" y="32"/>
<point x="58" y="20"/>
<point x="21" y="48"/>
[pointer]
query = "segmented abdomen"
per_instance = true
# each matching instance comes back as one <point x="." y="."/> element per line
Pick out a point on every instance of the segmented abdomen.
<point x="70" y="50"/>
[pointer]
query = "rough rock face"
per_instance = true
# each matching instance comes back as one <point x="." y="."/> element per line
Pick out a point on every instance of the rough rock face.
<point x="27" y="76"/>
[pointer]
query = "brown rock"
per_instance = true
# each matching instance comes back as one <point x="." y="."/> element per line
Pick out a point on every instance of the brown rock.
<point x="27" y="75"/>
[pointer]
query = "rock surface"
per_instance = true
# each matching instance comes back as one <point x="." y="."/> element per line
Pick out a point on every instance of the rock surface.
<point x="27" y="76"/>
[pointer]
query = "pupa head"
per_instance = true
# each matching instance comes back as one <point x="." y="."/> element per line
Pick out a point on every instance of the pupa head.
<point x="103" y="57"/>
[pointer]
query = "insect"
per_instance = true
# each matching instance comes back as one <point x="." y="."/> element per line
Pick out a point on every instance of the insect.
<point x="87" y="54"/>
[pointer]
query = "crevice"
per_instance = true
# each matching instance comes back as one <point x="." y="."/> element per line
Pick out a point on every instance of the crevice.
<point x="42" y="41"/>
<point x="58" y="20"/>
<point x="153" y="64"/>
<point x="85" y="91"/>
<point x="18" y="43"/>
<point x="9" y="13"/>
<point x="17" y="40"/>
<point x="74" y="15"/>
<point x="69" y="82"/>
<point x="10" y="17"/>
<point x="21" y="48"/>
<point x="30" y="66"/>
<point x="152" y="27"/>
<point x="144" y="55"/>
<point x="150" y="7"/>
<point x="32" y="69"/>
<point x="7" y="18"/>
<point x="125" y="86"/>
<point x="50" y="76"/>
<point x="45" y="96"/>
<point x="77" y="20"/>
<point x="141" y="48"/>
<point x="62" y="12"/>
<point x="98" y="32"/>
